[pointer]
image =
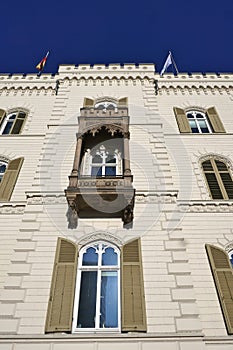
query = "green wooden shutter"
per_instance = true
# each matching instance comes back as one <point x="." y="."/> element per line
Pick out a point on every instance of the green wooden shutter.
<point x="9" y="179"/>
<point x="2" y="115"/>
<point x="88" y="102"/>
<point x="215" y="121"/>
<point x="182" y="120"/>
<point x="60" y="308"/>
<point x="123" y="101"/>
<point x="133" y="299"/>
<point x="223" y="277"/>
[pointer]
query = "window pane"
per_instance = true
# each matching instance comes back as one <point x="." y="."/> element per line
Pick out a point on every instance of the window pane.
<point x="96" y="171"/>
<point x="199" y="116"/>
<point x="109" y="300"/>
<point x="90" y="258"/>
<point x="7" y="128"/>
<point x="203" y="126"/>
<point x="87" y="301"/>
<point x="231" y="258"/>
<point x="2" y="168"/>
<point x="110" y="170"/>
<point x="110" y="159"/>
<point x="109" y="257"/>
<point x="189" y="116"/>
<point x="193" y="126"/>
<point x="97" y="159"/>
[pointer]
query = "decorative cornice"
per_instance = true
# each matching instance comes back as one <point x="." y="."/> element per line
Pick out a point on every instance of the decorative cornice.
<point x="12" y="208"/>
<point x="156" y="197"/>
<point x="206" y="207"/>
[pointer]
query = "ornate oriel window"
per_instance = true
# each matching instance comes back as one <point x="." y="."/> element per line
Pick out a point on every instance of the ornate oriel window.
<point x="98" y="278"/>
<point x="101" y="181"/>
<point x="12" y="122"/>
<point x="218" y="178"/>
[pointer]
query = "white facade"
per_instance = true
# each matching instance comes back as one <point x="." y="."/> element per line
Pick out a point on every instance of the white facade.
<point x="174" y="213"/>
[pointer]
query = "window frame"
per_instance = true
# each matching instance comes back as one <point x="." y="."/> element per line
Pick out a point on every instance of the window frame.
<point x="194" y="112"/>
<point x="99" y="268"/>
<point x="6" y="120"/>
<point x="218" y="177"/>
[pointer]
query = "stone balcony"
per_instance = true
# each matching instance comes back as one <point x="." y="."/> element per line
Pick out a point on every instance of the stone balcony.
<point x="101" y="197"/>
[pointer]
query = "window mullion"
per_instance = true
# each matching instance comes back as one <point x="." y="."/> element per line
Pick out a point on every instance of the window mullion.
<point x="197" y="123"/>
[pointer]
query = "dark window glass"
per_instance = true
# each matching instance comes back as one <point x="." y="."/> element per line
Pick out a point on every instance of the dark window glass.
<point x="7" y="128"/>
<point x="96" y="171"/>
<point x="110" y="170"/>
<point x="193" y="126"/>
<point x="207" y="166"/>
<point x="90" y="258"/>
<point x="97" y="159"/>
<point x="221" y="166"/>
<point x="203" y="126"/>
<point x="109" y="257"/>
<point x="110" y="159"/>
<point x="87" y="303"/>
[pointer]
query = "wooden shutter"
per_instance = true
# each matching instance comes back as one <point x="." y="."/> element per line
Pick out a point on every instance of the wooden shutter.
<point x="2" y="114"/>
<point x="123" y="101"/>
<point x="215" y="121"/>
<point x="133" y="299"/>
<point x="18" y="123"/>
<point x="223" y="277"/>
<point x="60" y="308"/>
<point x="88" y="102"/>
<point x="182" y="120"/>
<point x="9" y="179"/>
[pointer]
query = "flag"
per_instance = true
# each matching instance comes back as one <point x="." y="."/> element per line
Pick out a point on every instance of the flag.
<point x="41" y="65"/>
<point x="167" y="63"/>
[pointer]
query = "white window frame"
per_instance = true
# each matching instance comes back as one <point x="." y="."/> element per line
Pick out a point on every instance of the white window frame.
<point x="103" y="153"/>
<point x="2" y="162"/>
<point x="6" y="120"/>
<point x="99" y="268"/>
<point x="194" y="113"/>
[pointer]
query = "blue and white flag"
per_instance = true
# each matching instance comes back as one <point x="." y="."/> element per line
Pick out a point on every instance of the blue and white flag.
<point x="167" y="63"/>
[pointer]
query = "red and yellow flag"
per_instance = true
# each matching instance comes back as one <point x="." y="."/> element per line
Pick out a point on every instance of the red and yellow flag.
<point x="41" y="65"/>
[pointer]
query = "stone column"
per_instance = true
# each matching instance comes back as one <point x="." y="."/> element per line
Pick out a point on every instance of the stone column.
<point x="127" y="171"/>
<point x="75" y="171"/>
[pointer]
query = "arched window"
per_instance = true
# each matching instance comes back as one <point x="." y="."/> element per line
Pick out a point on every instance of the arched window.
<point x="102" y="162"/>
<point x="218" y="178"/>
<point x="12" y="123"/>
<point x="3" y="166"/>
<point x="98" y="278"/>
<point x="199" y="123"/>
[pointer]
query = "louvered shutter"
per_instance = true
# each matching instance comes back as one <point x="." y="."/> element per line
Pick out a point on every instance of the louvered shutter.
<point x="215" y="121"/>
<point x="18" y="123"/>
<point x="133" y="299"/>
<point x="2" y="114"/>
<point x="9" y="179"/>
<point x="123" y="101"/>
<point x="223" y="277"/>
<point x="60" y="308"/>
<point x="182" y="120"/>
<point x="88" y="102"/>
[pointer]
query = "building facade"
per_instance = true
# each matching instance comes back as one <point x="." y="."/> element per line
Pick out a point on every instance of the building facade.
<point x="116" y="190"/>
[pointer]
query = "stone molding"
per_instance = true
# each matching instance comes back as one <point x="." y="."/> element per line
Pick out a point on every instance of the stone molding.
<point x="12" y="209"/>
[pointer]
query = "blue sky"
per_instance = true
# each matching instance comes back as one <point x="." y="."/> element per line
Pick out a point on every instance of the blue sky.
<point x="199" y="33"/>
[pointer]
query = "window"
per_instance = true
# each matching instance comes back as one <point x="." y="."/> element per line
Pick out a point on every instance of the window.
<point x="85" y="290"/>
<point x="102" y="162"/>
<point x="218" y="178"/>
<point x="12" y="123"/>
<point x="3" y="166"/>
<point x="198" y="122"/>
<point x="231" y="257"/>
<point x="9" y="173"/>
<point x="99" y="279"/>
<point x="223" y="277"/>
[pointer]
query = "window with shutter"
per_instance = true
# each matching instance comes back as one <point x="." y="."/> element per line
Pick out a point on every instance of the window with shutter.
<point x="97" y="301"/>
<point x="223" y="277"/>
<point x="198" y="122"/>
<point x="8" y="177"/>
<point x="12" y="123"/>
<point x="218" y="178"/>
<point x="60" y="307"/>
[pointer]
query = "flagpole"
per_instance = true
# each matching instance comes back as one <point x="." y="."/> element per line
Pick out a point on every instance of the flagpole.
<point x="177" y="72"/>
